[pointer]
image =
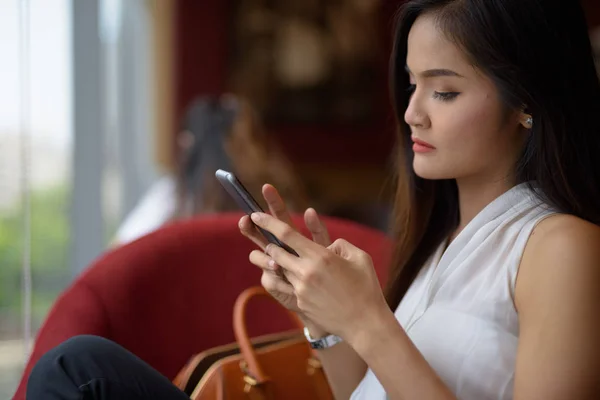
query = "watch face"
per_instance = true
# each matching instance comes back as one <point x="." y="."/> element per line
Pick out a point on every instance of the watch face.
<point x="318" y="345"/>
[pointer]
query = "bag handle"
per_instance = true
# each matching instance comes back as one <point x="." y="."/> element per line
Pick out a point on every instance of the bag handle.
<point x="255" y="377"/>
<point x="241" y="333"/>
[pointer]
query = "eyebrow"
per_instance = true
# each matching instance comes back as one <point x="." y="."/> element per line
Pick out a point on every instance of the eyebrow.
<point x="433" y="73"/>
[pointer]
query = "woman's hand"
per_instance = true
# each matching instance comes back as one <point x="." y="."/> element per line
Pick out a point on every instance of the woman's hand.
<point x="271" y="278"/>
<point x="335" y="287"/>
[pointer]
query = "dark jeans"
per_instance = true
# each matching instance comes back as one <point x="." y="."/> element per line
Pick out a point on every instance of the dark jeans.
<point x="91" y="367"/>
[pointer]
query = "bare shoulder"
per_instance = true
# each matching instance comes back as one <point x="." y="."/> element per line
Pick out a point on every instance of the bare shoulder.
<point x="559" y="222"/>
<point x="563" y="253"/>
<point x="565" y="236"/>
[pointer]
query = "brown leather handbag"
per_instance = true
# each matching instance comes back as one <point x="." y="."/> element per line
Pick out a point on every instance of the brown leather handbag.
<point x="269" y="367"/>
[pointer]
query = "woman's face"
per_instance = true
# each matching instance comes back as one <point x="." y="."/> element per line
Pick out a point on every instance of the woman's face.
<point x="460" y="128"/>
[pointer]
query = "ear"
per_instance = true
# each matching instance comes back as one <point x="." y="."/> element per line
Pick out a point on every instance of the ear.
<point x="185" y="140"/>
<point x="526" y="120"/>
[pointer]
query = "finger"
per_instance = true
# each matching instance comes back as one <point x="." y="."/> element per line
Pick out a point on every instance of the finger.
<point x="272" y="283"/>
<point x="347" y="250"/>
<point x="248" y="229"/>
<point x="288" y="262"/>
<point x="284" y="233"/>
<point x="316" y="227"/>
<point x="267" y="264"/>
<point x="263" y="261"/>
<point x="277" y="206"/>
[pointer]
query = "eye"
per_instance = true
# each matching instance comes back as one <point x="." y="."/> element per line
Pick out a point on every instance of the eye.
<point x="445" y="96"/>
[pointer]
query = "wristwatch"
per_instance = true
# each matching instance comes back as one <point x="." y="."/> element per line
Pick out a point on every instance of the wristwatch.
<point x="322" y="343"/>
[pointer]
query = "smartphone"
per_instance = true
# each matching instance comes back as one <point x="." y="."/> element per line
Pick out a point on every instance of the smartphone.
<point x="247" y="203"/>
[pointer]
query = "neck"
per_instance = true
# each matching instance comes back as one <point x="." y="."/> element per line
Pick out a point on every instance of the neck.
<point x="474" y="195"/>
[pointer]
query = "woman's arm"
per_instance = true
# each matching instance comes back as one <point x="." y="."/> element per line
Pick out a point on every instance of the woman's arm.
<point x="399" y="366"/>
<point x="558" y="299"/>
<point x="343" y="367"/>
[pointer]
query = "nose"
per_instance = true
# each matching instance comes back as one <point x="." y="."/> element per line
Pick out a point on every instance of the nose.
<point x="415" y="115"/>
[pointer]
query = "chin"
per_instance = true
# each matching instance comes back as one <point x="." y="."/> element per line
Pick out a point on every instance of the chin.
<point x="428" y="170"/>
<point x="432" y="176"/>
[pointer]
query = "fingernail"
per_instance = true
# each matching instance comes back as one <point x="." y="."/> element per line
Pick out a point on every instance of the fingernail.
<point x="272" y="264"/>
<point x="268" y="248"/>
<point x="256" y="217"/>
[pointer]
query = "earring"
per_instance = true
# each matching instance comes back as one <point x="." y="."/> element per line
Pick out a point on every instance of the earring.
<point x="529" y="122"/>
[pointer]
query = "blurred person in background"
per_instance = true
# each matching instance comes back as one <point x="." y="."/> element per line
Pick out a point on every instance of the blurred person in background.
<point x="218" y="132"/>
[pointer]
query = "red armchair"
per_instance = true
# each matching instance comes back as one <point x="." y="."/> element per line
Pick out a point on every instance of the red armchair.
<point x="170" y="294"/>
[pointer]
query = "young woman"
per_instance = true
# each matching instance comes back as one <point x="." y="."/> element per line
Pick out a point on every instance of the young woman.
<point x="494" y="292"/>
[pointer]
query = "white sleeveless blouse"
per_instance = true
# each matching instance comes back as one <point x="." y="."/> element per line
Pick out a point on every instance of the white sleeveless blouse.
<point x="460" y="311"/>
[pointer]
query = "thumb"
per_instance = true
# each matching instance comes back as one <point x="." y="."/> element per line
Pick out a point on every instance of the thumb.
<point x="343" y="248"/>
<point x="350" y="252"/>
<point x="317" y="228"/>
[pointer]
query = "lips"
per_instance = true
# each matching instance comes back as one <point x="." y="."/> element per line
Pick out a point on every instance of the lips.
<point x="422" y="143"/>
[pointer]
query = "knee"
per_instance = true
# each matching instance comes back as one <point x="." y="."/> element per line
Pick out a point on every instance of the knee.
<point x="78" y="347"/>
<point x="78" y="350"/>
<point x="84" y="345"/>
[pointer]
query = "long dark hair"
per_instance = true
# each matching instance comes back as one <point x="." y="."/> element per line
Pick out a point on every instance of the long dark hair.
<point x="539" y="56"/>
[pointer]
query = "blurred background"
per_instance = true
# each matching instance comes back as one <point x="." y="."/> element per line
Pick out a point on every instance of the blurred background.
<point x="115" y="113"/>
